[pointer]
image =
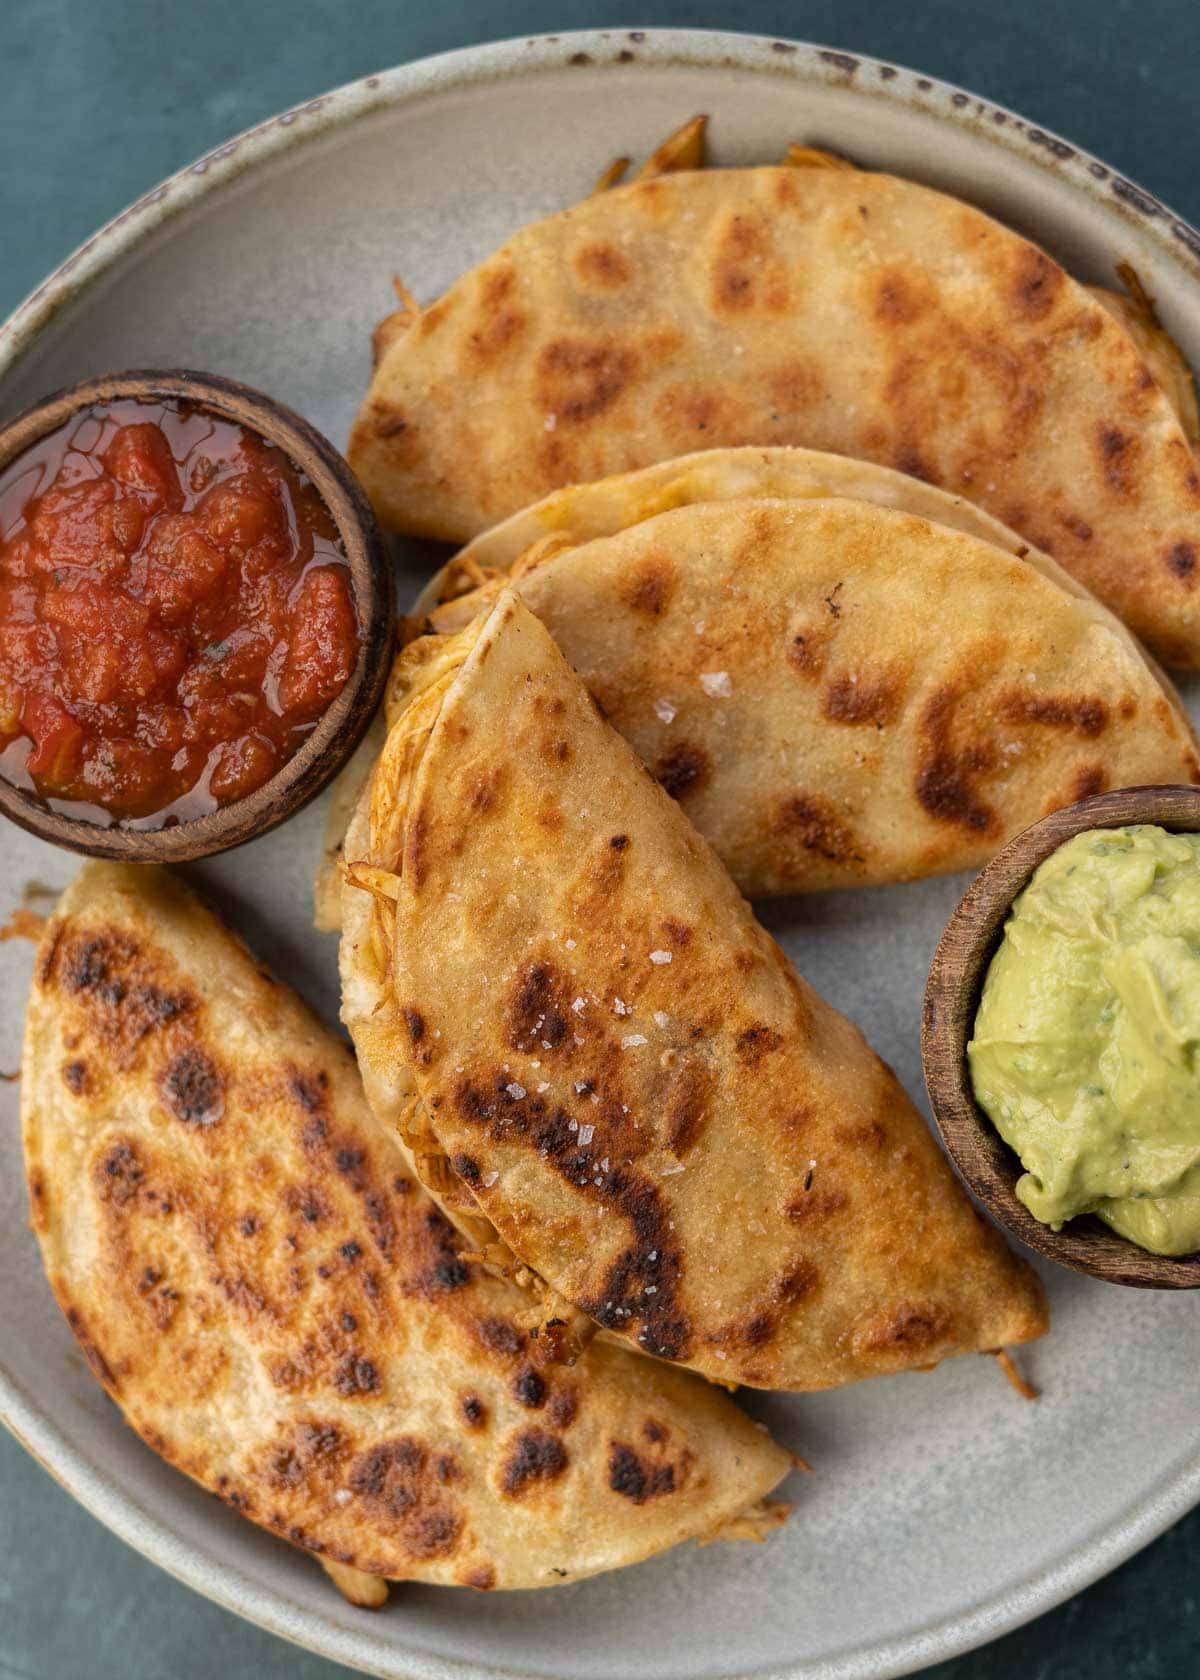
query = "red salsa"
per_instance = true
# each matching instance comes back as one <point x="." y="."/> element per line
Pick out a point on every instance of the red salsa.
<point x="175" y="613"/>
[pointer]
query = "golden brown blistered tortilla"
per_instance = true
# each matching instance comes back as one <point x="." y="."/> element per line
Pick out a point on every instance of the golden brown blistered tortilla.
<point x="281" y="1312"/>
<point x="848" y="311"/>
<point x="586" y="511"/>
<point x="843" y="695"/>
<point x="623" y="1072"/>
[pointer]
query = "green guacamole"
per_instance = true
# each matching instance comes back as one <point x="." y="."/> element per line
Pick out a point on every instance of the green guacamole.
<point x="1086" y="1052"/>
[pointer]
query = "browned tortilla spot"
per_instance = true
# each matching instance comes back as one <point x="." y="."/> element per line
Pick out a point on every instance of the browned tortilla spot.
<point x="808" y="647"/>
<point x="500" y="1336"/>
<point x="88" y="961"/>
<point x="862" y="697"/>
<point x="648" y="588"/>
<point x="499" y="323"/>
<point x="793" y="386"/>
<point x="75" y="1077"/>
<point x="1181" y="559"/>
<point x="651" y="1262"/>
<point x="1118" y="454"/>
<point x="1089" y="781"/>
<point x="811" y="819"/>
<point x="812" y="1206"/>
<point x="695" y="407"/>
<point x="305" y="1454"/>
<point x="944" y="783"/>
<point x="563" y="1407"/>
<point x="577" y="380"/>
<point x="869" y="1134"/>
<point x="192" y="1088"/>
<point x="907" y="458"/>
<point x="1077" y="527"/>
<point x="466" y="1166"/>
<point x="638" y="1479"/>
<point x="474" y="1411"/>
<point x="430" y="319"/>
<point x="91" y="1352"/>
<point x="912" y="1328"/>
<point x="306" y="1201"/>
<point x="119" y="1174"/>
<point x="1083" y="714"/>
<point x="761" y="1324"/>
<point x="439" y="1268"/>
<point x="308" y="1090"/>
<point x="755" y="1042"/>
<point x="603" y="265"/>
<point x="550" y="815"/>
<point x="356" y="1375"/>
<point x="537" y="1017"/>
<point x="398" y="1487"/>
<point x="896" y="298"/>
<point x="484" y="792"/>
<point x="532" y="1456"/>
<point x="743" y="276"/>
<point x="528" y="1387"/>
<point x="758" y="1330"/>
<point x="1037" y="282"/>
<point x="124" y="985"/>
<point x="39" y="1203"/>
<point x="683" y="769"/>
<point x="390" y="421"/>
<point x="688" y="1107"/>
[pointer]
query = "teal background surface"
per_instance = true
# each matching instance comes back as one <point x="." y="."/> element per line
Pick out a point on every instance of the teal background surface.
<point x="101" y="98"/>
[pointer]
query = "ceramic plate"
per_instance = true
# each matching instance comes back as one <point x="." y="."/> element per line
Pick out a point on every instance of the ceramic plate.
<point x="944" y="1510"/>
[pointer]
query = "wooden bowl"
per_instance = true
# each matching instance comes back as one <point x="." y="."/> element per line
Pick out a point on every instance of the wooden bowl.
<point x="960" y="963"/>
<point x="344" y="722"/>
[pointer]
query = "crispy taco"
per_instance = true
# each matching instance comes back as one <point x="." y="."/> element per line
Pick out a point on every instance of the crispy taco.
<point x="830" y="307"/>
<point x="777" y="666"/>
<point x="581" y="512"/>
<point x="564" y="1006"/>
<point x="282" y="1313"/>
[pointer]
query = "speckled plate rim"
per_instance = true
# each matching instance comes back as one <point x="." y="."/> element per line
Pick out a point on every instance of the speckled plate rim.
<point x="1030" y="148"/>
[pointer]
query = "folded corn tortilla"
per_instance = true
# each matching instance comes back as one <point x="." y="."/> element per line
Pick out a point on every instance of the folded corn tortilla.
<point x="840" y="691"/>
<point x="829" y="307"/>
<point x="282" y="1313"/>
<point x="565" y="1008"/>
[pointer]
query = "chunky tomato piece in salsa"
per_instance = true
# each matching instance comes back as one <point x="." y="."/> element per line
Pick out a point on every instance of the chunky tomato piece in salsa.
<point x="175" y="613"/>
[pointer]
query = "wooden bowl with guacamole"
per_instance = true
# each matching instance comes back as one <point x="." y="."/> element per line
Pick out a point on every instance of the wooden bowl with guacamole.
<point x="1061" y="1037"/>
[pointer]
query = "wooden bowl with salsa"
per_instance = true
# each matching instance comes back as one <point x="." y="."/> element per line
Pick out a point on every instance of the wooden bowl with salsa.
<point x="196" y="615"/>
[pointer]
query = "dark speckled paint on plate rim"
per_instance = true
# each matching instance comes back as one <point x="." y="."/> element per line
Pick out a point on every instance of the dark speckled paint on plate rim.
<point x="806" y="63"/>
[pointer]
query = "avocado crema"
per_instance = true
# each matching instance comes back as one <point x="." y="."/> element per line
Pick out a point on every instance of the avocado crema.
<point x="1086" y="1051"/>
